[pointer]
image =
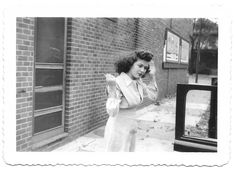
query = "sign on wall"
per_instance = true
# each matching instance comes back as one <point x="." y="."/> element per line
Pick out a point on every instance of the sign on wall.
<point x="176" y="51"/>
<point x="184" y="52"/>
<point x="172" y="47"/>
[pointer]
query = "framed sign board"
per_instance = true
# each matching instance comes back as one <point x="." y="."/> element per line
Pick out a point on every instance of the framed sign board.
<point x="176" y="51"/>
<point x="172" y="47"/>
<point x="184" y="52"/>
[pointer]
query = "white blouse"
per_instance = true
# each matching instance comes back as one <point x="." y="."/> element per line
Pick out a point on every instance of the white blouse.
<point x="130" y="93"/>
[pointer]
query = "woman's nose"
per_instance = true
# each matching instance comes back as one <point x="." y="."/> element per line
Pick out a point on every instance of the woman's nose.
<point x="142" y="70"/>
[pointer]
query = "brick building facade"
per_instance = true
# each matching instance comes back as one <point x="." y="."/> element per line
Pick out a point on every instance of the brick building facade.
<point x="52" y="112"/>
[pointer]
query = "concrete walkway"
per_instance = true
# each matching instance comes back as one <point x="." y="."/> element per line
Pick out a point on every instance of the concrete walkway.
<point x="156" y="128"/>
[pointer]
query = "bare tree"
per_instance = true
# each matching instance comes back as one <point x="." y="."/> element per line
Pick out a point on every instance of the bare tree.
<point x="202" y="30"/>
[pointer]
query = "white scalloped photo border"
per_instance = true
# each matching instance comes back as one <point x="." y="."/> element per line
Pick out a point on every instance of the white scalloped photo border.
<point x="151" y="9"/>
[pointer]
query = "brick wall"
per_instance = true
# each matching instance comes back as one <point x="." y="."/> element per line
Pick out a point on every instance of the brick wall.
<point x="24" y="82"/>
<point x="93" y="45"/>
<point x="151" y="37"/>
<point x="183" y="27"/>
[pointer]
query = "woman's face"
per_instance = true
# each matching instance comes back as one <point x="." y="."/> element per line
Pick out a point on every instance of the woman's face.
<point x="138" y="69"/>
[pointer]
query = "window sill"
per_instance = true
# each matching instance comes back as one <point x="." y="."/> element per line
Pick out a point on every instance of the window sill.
<point x="48" y="141"/>
<point x="185" y="146"/>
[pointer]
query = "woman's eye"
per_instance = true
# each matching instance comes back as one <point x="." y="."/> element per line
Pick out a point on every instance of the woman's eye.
<point x="142" y="66"/>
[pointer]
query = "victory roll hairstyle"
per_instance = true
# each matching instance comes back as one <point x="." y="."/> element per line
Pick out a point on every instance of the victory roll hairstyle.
<point x="125" y="64"/>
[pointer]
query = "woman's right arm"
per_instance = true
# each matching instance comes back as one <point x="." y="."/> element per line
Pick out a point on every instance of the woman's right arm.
<point x="114" y="96"/>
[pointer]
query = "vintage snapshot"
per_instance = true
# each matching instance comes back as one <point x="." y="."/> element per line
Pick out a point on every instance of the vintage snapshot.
<point x="115" y="90"/>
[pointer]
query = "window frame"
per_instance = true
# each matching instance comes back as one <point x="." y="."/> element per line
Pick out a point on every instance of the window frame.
<point x="186" y="143"/>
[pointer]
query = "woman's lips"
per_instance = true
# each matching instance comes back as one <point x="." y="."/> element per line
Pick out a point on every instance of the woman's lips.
<point x="140" y="74"/>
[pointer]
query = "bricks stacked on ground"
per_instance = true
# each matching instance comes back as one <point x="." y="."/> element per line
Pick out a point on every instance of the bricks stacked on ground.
<point x="24" y="82"/>
<point x="93" y="45"/>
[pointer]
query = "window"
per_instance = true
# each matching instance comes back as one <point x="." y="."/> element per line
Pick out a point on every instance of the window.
<point x="196" y="120"/>
<point x="49" y="73"/>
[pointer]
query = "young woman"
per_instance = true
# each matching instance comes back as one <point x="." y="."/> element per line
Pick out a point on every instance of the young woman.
<point x="125" y="93"/>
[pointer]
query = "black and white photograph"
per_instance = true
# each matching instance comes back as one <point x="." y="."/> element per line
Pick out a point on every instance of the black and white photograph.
<point x="75" y="73"/>
<point x="112" y="90"/>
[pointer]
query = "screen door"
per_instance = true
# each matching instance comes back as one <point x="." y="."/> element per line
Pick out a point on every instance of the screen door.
<point x="49" y="74"/>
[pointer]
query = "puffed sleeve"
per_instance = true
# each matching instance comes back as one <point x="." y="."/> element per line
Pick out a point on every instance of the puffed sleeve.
<point x="151" y="89"/>
<point x="113" y="103"/>
<point x="114" y="96"/>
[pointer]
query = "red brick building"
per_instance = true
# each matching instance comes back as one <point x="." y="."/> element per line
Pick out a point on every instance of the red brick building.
<point x="60" y="65"/>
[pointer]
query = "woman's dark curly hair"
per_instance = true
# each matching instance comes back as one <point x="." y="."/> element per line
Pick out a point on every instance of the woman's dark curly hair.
<point x="125" y="64"/>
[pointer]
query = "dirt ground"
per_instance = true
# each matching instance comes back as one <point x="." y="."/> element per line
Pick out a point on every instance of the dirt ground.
<point x="156" y="126"/>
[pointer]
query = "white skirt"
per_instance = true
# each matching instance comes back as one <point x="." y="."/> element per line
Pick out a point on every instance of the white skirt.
<point x="120" y="132"/>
